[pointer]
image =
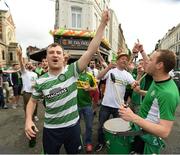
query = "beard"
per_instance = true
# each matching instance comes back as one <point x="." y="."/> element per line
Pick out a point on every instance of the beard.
<point x="30" y="68"/>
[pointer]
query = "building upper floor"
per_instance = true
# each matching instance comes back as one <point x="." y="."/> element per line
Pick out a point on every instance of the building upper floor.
<point x="171" y="40"/>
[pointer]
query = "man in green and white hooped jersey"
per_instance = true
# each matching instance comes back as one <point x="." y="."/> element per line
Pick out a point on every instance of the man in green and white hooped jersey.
<point x="59" y="89"/>
<point x="157" y="112"/>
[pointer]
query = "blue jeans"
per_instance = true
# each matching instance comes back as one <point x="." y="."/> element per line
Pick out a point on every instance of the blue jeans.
<point x="87" y="113"/>
<point x="2" y="103"/>
<point x="104" y="115"/>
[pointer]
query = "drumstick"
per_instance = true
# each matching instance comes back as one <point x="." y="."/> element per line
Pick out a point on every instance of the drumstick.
<point x="137" y="40"/>
<point x="142" y="77"/>
<point x="116" y="91"/>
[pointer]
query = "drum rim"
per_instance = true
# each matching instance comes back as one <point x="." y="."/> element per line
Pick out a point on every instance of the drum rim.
<point x="116" y="132"/>
<point x="127" y="133"/>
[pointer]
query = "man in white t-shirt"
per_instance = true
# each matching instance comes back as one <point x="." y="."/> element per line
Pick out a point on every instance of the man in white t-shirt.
<point x="92" y="68"/>
<point x="116" y="80"/>
<point x="28" y="80"/>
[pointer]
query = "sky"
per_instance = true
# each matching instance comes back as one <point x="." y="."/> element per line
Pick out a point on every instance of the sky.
<point x="147" y="20"/>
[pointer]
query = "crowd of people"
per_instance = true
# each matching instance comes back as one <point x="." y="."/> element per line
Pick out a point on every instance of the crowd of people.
<point x="133" y="91"/>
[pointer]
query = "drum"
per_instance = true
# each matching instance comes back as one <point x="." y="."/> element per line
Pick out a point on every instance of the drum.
<point x="116" y="136"/>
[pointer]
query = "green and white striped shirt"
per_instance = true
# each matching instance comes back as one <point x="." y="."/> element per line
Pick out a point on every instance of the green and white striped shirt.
<point x="60" y="93"/>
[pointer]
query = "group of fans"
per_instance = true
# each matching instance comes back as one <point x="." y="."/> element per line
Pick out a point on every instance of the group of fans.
<point x="134" y="91"/>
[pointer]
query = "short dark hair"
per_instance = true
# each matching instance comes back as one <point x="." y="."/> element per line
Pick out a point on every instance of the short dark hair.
<point x="54" y="45"/>
<point x="168" y="58"/>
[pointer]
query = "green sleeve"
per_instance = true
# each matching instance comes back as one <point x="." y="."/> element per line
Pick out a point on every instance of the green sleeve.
<point x="167" y="106"/>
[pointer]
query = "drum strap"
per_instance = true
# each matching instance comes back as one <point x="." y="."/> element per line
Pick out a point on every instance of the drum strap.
<point x="138" y="145"/>
<point x="132" y="133"/>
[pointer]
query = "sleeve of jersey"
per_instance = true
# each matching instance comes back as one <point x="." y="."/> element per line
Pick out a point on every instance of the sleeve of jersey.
<point x="106" y="75"/>
<point x="130" y="78"/>
<point x="167" y="105"/>
<point x="75" y="70"/>
<point x="37" y="93"/>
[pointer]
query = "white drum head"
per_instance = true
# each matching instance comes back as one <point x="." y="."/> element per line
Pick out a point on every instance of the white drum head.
<point x="117" y="125"/>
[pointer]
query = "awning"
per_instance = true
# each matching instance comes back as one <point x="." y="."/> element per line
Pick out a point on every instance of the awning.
<point x="38" y="55"/>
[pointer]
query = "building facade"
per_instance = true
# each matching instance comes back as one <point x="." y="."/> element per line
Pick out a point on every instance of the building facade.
<point x="171" y="41"/>
<point x="7" y="37"/>
<point x="76" y="22"/>
<point x="113" y="35"/>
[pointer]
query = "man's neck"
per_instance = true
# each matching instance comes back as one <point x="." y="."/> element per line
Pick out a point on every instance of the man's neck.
<point x="56" y="71"/>
<point x="120" y="68"/>
<point x="161" y="77"/>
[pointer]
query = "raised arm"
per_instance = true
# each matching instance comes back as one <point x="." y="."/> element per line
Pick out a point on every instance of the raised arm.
<point x="20" y="58"/>
<point x="143" y="53"/>
<point x="138" y="47"/>
<point x="101" y="59"/>
<point x="104" y="71"/>
<point x="94" y="44"/>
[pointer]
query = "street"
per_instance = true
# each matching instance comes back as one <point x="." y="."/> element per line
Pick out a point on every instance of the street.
<point x="14" y="141"/>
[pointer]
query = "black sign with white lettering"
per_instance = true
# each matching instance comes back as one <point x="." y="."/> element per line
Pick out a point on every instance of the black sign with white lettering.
<point x="73" y="44"/>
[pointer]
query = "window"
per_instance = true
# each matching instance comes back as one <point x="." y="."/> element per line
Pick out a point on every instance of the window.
<point x="176" y="49"/>
<point x="106" y="33"/>
<point x="76" y="17"/>
<point x="104" y="4"/>
<point x="11" y="56"/>
<point x="0" y="29"/>
<point x="96" y="20"/>
<point x="57" y="5"/>
<point x="177" y="37"/>
<point x="3" y="55"/>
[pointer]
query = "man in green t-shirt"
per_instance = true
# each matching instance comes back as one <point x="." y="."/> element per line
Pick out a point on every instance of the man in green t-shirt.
<point x="157" y="112"/>
<point x="59" y="89"/>
<point x="86" y="83"/>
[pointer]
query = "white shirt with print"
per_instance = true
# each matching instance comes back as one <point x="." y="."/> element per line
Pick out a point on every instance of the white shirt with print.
<point x="28" y="80"/>
<point x="123" y="78"/>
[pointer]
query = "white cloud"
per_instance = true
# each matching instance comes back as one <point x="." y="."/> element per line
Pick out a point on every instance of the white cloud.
<point x="33" y="19"/>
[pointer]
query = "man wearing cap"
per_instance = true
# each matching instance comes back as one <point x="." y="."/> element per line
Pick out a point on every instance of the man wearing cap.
<point x="116" y="80"/>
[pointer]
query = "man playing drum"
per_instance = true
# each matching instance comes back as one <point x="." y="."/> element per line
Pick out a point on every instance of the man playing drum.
<point x="157" y="112"/>
<point x="111" y="100"/>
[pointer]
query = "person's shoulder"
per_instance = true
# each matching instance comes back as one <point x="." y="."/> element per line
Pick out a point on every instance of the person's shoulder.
<point x="126" y="72"/>
<point x="96" y="69"/>
<point x="89" y="74"/>
<point x="45" y="75"/>
<point x="34" y="73"/>
<point x="114" y="69"/>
